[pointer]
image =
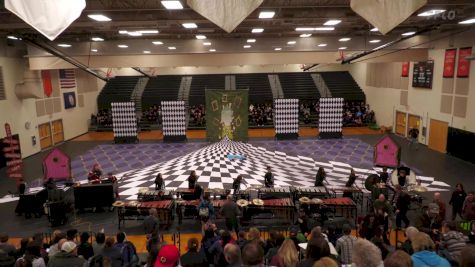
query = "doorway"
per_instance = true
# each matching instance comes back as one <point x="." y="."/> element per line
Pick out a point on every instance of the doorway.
<point x="413" y="121"/>
<point x="438" y="133"/>
<point x="58" y="133"/>
<point x="401" y="123"/>
<point x="46" y="140"/>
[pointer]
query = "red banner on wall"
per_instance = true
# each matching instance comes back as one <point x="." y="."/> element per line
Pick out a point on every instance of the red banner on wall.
<point x="449" y="63"/>
<point x="47" y="85"/>
<point x="405" y="69"/>
<point x="13" y="155"/>
<point x="463" y="67"/>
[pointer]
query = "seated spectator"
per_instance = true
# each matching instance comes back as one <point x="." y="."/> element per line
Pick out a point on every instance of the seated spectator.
<point x="407" y="245"/>
<point x="378" y="240"/>
<point x="6" y="260"/>
<point x="467" y="256"/>
<point x="317" y="248"/>
<point x="98" y="244"/>
<point x="193" y="257"/>
<point x="451" y="242"/>
<point x="366" y="254"/>
<point x="208" y="240"/>
<point x="254" y="235"/>
<point x="67" y="256"/>
<point x="424" y="255"/>
<point x="168" y="256"/>
<point x="217" y="249"/>
<point x="287" y="256"/>
<point x="317" y="232"/>
<point x="232" y="254"/>
<point x="253" y="255"/>
<point x="471" y="235"/>
<point x="71" y="235"/>
<point x="241" y="239"/>
<point x="279" y="239"/>
<point x="112" y="252"/>
<point x="398" y="258"/>
<point x="344" y="245"/>
<point x="85" y="248"/>
<point x="325" y="262"/>
<point x="32" y="257"/>
<point x="5" y="246"/>
<point x="23" y="245"/>
<point x="296" y="236"/>
<point x="128" y="251"/>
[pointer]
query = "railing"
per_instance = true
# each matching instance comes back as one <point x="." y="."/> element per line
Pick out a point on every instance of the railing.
<point x="321" y="85"/>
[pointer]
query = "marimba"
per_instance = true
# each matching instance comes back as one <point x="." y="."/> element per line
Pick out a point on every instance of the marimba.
<point x="274" y="192"/>
<point x="282" y="208"/>
<point x="342" y="206"/>
<point x="154" y="195"/>
<point x="311" y="192"/>
<point x="356" y="191"/>
<point x="134" y="210"/>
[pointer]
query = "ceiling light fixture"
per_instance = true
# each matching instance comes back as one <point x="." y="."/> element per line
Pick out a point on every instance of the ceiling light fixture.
<point x="322" y="45"/>
<point x="332" y="22"/>
<point x="99" y="17"/>
<point x="200" y="37"/>
<point x="212" y="50"/>
<point x="277" y="48"/>
<point x="291" y="42"/>
<point x="93" y="50"/>
<point x="172" y="4"/>
<point x="134" y="33"/>
<point x="12" y="37"/>
<point x="257" y="30"/>
<point x="247" y="46"/>
<point x="64" y="45"/>
<point x="189" y="25"/>
<point x="148" y="31"/>
<point x="345" y="39"/>
<point x="408" y="33"/>
<point x="375" y="41"/>
<point x="157" y="42"/>
<point x="431" y="12"/>
<point x="207" y="43"/>
<point x="171" y="47"/>
<point x="374" y="30"/>
<point x="307" y="29"/>
<point x="305" y="35"/>
<point x="251" y="40"/>
<point x="266" y="14"/>
<point x="304" y="29"/>
<point x="468" y="21"/>
<point x="146" y="52"/>
<point x="342" y="48"/>
<point x="122" y="46"/>
<point x="97" y="39"/>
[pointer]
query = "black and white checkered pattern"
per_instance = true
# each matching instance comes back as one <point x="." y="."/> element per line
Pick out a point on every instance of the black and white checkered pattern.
<point x="286" y="116"/>
<point x="330" y="122"/>
<point x="173" y="118"/>
<point x="124" y="119"/>
<point x="216" y="170"/>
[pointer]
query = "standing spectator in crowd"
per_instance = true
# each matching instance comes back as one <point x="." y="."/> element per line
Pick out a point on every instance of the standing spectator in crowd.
<point x="206" y="211"/>
<point x="325" y="262"/>
<point x="5" y="246"/>
<point x="168" y="256"/>
<point x="127" y="250"/>
<point x="151" y="224"/>
<point x="230" y="211"/>
<point x="424" y="255"/>
<point x="469" y="207"/>
<point x="442" y="206"/>
<point x="378" y="241"/>
<point x="411" y="231"/>
<point x="193" y="257"/>
<point x="451" y="243"/>
<point x="368" y="226"/>
<point x="232" y="254"/>
<point x="54" y="248"/>
<point x="98" y="244"/>
<point x="85" y="248"/>
<point x="112" y="252"/>
<point x="67" y="256"/>
<point x="344" y="245"/>
<point x="317" y="248"/>
<point x="287" y="255"/>
<point x="366" y="254"/>
<point x="398" y="258"/>
<point x="217" y="249"/>
<point x="457" y="199"/>
<point x="253" y="255"/>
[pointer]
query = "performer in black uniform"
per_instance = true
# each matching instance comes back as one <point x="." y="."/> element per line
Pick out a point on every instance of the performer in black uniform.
<point x="159" y="184"/>
<point x="269" y="178"/>
<point x="350" y="183"/>
<point x="321" y="176"/>
<point x="401" y="178"/>
<point x="384" y="175"/>
<point x="192" y="180"/>
<point x="402" y="206"/>
<point x="237" y="184"/>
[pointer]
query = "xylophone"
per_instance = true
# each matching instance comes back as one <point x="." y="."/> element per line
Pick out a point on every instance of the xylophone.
<point x="342" y="206"/>
<point x="274" y="192"/>
<point x="283" y="208"/>
<point x="134" y="210"/>
<point x="311" y="192"/>
<point x="153" y="195"/>
<point x="356" y="192"/>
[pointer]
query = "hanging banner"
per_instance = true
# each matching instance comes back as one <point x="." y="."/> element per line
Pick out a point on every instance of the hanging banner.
<point x="449" y="63"/>
<point x="47" y="85"/>
<point x="12" y="154"/>
<point x="463" y="67"/>
<point x="405" y="69"/>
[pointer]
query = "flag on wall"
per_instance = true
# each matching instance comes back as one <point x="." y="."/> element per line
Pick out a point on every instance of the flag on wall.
<point x="463" y="68"/>
<point x="449" y="63"/>
<point x="67" y="79"/>
<point x="405" y="69"/>
<point x="47" y="86"/>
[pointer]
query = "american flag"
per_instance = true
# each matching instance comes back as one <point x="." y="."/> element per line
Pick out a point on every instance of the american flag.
<point x="67" y="79"/>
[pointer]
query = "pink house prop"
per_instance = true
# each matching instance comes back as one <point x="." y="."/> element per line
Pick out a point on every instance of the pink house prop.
<point x="57" y="165"/>
<point x="387" y="153"/>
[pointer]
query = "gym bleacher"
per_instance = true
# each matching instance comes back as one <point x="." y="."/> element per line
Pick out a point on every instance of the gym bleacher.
<point x="258" y="86"/>
<point x="200" y="83"/>
<point x="161" y="88"/>
<point x="117" y="89"/>
<point x="342" y="84"/>
<point x="299" y="85"/>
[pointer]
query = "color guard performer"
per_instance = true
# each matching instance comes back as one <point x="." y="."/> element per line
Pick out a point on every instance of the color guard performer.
<point x="269" y="178"/>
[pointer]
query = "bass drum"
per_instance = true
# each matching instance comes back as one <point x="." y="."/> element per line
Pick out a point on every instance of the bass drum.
<point x="410" y="179"/>
<point x="370" y="181"/>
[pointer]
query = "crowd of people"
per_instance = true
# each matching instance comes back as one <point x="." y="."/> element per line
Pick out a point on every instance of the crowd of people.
<point x="357" y="114"/>
<point x="197" y="115"/>
<point x="152" y="114"/>
<point x="260" y="114"/>
<point x="103" y="118"/>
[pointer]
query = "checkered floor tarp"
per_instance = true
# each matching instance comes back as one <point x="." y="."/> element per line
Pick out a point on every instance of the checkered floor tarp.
<point x="216" y="170"/>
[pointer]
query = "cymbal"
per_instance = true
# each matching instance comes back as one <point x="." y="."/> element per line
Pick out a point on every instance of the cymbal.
<point x="258" y="202"/>
<point x="418" y="188"/>
<point x="242" y="203"/>
<point x="304" y="200"/>
<point x="143" y="190"/>
<point x="316" y="201"/>
<point x="255" y="186"/>
<point x="118" y="203"/>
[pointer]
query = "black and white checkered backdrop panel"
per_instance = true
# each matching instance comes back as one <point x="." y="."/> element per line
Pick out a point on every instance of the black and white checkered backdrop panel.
<point x="173" y="118"/>
<point x="286" y="116"/>
<point x="331" y="115"/>
<point x="124" y="119"/>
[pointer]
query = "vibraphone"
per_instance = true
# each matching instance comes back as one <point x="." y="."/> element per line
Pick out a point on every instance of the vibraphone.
<point x="311" y="192"/>
<point x="282" y="208"/>
<point x="154" y="195"/>
<point x="135" y="210"/>
<point x="275" y="192"/>
<point x="190" y="207"/>
<point x="356" y="191"/>
<point x="185" y="193"/>
<point x="342" y="206"/>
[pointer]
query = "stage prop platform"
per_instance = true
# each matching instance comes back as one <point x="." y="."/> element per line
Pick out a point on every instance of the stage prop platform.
<point x="330" y="122"/>
<point x="124" y="122"/>
<point x="174" y="121"/>
<point x="286" y="118"/>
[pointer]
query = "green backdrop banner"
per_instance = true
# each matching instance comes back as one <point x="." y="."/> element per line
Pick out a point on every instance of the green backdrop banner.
<point x="227" y="114"/>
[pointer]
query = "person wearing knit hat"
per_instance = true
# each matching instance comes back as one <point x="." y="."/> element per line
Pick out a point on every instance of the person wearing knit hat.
<point x="168" y="256"/>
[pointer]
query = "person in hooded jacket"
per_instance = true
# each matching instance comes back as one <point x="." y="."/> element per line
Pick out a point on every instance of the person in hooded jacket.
<point x="424" y="255"/>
